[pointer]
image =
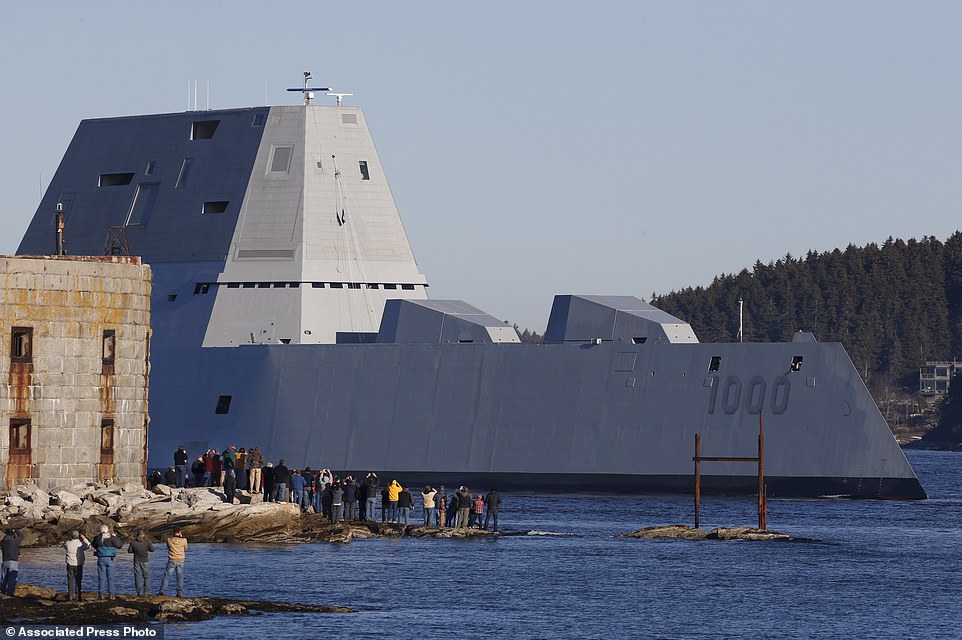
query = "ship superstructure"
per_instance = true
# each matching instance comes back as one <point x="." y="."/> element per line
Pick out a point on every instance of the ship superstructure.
<point x="289" y="313"/>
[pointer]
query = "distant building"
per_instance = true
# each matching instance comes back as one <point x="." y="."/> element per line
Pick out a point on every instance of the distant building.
<point x="74" y="358"/>
<point x="936" y="376"/>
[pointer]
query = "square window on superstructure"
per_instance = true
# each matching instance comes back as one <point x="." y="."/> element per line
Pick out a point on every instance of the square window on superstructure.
<point x="223" y="405"/>
<point x="115" y="179"/>
<point x="258" y="120"/>
<point x="203" y="129"/>
<point x="215" y="206"/>
<point x="392" y="287"/>
<point x="714" y="363"/>
<point x="365" y="175"/>
<point x="142" y="205"/>
<point x="281" y="159"/>
<point x="348" y="118"/>
<point x="407" y="287"/>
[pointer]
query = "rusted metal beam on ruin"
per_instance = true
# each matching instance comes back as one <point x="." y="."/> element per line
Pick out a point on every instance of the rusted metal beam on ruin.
<point x="759" y="460"/>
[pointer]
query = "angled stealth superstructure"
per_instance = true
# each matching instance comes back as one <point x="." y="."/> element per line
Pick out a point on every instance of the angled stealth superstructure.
<point x="289" y="313"/>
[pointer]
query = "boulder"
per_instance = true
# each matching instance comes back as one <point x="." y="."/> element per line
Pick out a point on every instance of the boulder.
<point x="34" y="591"/>
<point x="66" y="499"/>
<point x="672" y="531"/>
<point x="162" y="490"/>
<point x="14" y="501"/>
<point x="40" y="497"/>
<point x="746" y="533"/>
<point x="112" y="501"/>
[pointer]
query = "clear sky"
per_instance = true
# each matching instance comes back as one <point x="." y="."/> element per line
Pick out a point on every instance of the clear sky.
<point x="545" y="147"/>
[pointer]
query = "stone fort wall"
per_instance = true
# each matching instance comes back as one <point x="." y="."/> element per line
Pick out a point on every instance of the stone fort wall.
<point x="74" y="361"/>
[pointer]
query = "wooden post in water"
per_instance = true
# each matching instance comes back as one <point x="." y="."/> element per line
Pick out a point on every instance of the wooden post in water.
<point x="697" y="476"/>
<point x="762" y="501"/>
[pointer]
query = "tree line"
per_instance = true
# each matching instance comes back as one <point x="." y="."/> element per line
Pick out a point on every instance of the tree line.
<point x="892" y="306"/>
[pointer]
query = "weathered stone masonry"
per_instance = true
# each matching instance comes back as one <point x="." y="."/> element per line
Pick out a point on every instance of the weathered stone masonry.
<point x="74" y="360"/>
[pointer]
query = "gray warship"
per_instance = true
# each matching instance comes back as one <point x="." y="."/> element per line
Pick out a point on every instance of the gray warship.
<point x="288" y="312"/>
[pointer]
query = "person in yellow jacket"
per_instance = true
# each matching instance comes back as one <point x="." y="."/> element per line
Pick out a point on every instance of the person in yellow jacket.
<point x="393" y="491"/>
<point x="176" y="554"/>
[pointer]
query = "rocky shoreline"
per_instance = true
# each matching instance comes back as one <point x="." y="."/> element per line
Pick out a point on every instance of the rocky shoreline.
<point x="46" y="518"/>
<point x="39" y="605"/>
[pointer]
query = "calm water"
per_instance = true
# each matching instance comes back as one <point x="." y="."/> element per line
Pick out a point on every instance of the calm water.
<point x="860" y="569"/>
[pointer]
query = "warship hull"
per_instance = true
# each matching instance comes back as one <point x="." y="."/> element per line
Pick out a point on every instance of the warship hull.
<point x="288" y="313"/>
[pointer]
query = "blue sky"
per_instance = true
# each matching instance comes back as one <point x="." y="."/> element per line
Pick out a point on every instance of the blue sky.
<point x="545" y="147"/>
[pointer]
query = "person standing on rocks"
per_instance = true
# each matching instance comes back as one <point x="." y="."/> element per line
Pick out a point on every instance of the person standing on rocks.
<point x="216" y="469"/>
<point x="180" y="462"/>
<point x="478" y="511"/>
<point x="370" y="497"/>
<point x="176" y="555"/>
<point x="297" y="486"/>
<point x="385" y="504"/>
<point x="405" y="502"/>
<point x="282" y="478"/>
<point x="141" y="547"/>
<point x="75" y="548"/>
<point x="441" y="502"/>
<point x="105" y="548"/>
<point x="10" y="569"/>
<point x="337" y="501"/>
<point x="198" y="470"/>
<point x="350" y="499"/>
<point x="230" y="487"/>
<point x="267" y="478"/>
<point x="464" y="507"/>
<point x="427" y="504"/>
<point x="493" y="500"/>
<point x="240" y="465"/>
<point x="393" y="492"/>
<point x="170" y="478"/>
<point x="229" y="461"/>
<point x="208" y="468"/>
<point x="254" y="462"/>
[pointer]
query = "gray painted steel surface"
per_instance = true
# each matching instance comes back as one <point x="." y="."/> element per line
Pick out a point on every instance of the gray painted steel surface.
<point x="446" y="393"/>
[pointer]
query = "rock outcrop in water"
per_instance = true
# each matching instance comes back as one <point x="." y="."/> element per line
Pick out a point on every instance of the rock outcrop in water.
<point x="684" y="532"/>
<point x="47" y="518"/>
<point x="39" y="605"/>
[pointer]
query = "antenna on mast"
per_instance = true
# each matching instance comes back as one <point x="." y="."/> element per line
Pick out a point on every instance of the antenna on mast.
<point x="308" y="90"/>
<point x="340" y="96"/>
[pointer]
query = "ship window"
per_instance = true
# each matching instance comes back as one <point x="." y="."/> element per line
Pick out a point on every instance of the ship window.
<point x="21" y="344"/>
<point x="279" y="285"/>
<point x="215" y="206"/>
<point x="20" y="434"/>
<point x="317" y="285"/>
<point x="281" y="159"/>
<point x="263" y="285"/>
<point x="293" y="285"/>
<point x="171" y="297"/>
<point x="390" y="286"/>
<point x="258" y="120"/>
<point x="796" y="363"/>
<point x="714" y="364"/>
<point x="337" y="285"/>
<point x="285" y="340"/>
<point x="223" y="405"/>
<point x="353" y="285"/>
<point x="106" y="435"/>
<point x="233" y="285"/>
<point x="203" y="129"/>
<point x="348" y="118"/>
<point x="407" y="287"/>
<point x="150" y="168"/>
<point x="364" y="173"/>
<point x="184" y="173"/>
<point x="109" y="347"/>
<point x="115" y="179"/>
<point x="248" y="285"/>
<point x="145" y="197"/>
<point x="201" y="287"/>
<point x="372" y="286"/>
<point x="641" y="340"/>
